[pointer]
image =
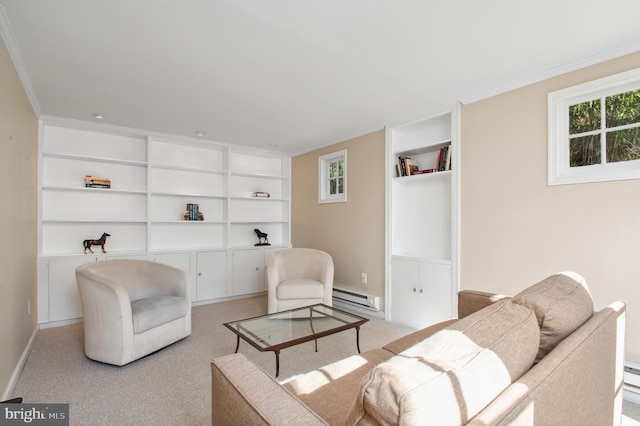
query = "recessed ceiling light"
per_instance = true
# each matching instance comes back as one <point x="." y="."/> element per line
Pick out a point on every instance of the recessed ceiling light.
<point x="98" y="116"/>
<point x="200" y="133"/>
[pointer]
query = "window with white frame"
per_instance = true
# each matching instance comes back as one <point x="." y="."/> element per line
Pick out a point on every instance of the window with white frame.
<point x="332" y="177"/>
<point x="594" y="130"/>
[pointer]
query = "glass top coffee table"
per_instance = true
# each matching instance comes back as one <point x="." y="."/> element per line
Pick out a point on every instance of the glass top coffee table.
<point x="274" y="332"/>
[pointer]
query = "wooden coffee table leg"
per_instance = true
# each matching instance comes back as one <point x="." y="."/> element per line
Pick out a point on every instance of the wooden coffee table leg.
<point x="238" y="344"/>
<point x="277" y="363"/>
<point x="358" y="338"/>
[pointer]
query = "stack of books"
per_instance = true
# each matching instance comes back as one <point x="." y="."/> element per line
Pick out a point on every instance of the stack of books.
<point x="406" y="166"/>
<point x="97" y="182"/>
<point x="261" y="194"/>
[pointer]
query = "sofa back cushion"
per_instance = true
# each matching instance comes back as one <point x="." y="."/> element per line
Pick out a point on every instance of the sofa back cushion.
<point x="562" y="303"/>
<point x="449" y="377"/>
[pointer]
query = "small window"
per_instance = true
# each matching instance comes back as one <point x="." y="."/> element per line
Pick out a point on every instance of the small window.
<point x="332" y="177"/>
<point x="594" y="131"/>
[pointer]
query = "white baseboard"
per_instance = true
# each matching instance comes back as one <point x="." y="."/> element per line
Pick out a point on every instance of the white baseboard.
<point x="18" y="369"/>
<point x="631" y="396"/>
<point x="61" y="323"/>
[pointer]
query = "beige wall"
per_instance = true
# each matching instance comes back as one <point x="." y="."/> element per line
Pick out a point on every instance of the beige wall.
<point x="515" y="229"/>
<point x="18" y="196"/>
<point x="352" y="232"/>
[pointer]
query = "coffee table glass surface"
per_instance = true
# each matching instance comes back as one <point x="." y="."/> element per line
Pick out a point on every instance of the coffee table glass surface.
<point x="273" y="332"/>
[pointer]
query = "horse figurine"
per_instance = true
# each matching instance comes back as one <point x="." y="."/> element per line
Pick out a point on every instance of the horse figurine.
<point x="100" y="242"/>
<point x="261" y="235"/>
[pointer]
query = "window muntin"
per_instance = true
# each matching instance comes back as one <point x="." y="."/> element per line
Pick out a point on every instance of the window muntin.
<point x="594" y="130"/>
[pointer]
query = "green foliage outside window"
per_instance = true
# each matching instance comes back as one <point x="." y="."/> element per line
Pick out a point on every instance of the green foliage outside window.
<point x="336" y="177"/>
<point x="621" y="117"/>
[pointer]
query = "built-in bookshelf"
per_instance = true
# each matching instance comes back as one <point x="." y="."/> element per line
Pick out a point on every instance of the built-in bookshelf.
<point x="426" y="160"/>
<point x="421" y="163"/>
<point x="137" y="187"/>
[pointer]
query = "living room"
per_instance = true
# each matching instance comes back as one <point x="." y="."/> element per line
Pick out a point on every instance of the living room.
<point x="515" y="229"/>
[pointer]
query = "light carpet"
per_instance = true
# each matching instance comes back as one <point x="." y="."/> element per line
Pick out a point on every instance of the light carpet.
<point x="173" y="385"/>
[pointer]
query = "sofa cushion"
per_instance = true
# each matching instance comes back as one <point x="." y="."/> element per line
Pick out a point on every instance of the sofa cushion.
<point x="153" y="311"/>
<point x="449" y="377"/>
<point x="326" y="390"/>
<point x="300" y="288"/>
<point x="405" y="342"/>
<point x="562" y="303"/>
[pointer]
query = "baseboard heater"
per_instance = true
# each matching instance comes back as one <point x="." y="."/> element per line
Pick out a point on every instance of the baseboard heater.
<point x="632" y="378"/>
<point x="357" y="299"/>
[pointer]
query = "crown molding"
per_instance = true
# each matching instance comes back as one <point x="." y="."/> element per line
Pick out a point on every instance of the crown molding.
<point x="14" y="53"/>
<point x="554" y="72"/>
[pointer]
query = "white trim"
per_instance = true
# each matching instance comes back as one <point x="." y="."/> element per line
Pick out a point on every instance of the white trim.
<point x="14" y="53"/>
<point x="558" y="103"/>
<point x="323" y="190"/>
<point x="19" y="366"/>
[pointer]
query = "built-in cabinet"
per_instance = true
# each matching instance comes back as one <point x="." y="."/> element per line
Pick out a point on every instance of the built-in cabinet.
<point x="421" y="220"/>
<point x="152" y="179"/>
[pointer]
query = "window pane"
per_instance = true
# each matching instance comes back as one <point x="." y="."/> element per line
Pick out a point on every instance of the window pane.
<point x="332" y="187"/>
<point x="623" y="145"/>
<point x="341" y="185"/>
<point x="584" y="151"/>
<point x="584" y="117"/>
<point x="332" y="169"/>
<point x="623" y="108"/>
<point x="341" y="168"/>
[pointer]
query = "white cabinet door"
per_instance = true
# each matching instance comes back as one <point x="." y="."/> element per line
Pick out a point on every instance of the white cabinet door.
<point x="420" y="292"/>
<point x="211" y="275"/>
<point x="248" y="272"/>
<point x="405" y="280"/>
<point x="435" y="293"/>
<point x="64" y="298"/>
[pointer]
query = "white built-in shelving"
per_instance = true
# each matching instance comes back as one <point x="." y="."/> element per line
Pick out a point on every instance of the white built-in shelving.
<point x="420" y="221"/>
<point x="153" y="178"/>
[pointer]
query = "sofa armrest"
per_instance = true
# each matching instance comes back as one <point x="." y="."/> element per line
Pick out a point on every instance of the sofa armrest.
<point x="242" y="394"/>
<point x="585" y="369"/>
<point x="470" y="301"/>
<point x="107" y="319"/>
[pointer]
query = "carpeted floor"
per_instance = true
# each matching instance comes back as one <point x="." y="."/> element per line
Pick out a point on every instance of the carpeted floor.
<point x="173" y="385"/>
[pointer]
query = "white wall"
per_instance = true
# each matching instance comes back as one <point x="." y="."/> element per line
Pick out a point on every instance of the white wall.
<point x="516" y="230"/>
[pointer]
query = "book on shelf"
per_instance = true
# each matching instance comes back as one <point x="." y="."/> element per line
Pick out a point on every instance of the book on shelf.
<point x="261" y="194"/>
<point x="96" y="182"/>
<point x="406" y="166"/>
<point x="443" y="160"/>
<point x="422" y="172"/>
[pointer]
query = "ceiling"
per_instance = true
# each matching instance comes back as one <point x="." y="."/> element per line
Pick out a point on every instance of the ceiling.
<point x="295" y="75"/>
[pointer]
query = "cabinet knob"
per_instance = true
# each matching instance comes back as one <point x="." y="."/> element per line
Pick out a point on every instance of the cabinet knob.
<point x="414" y="289"/>
<point x="199" y="274"/>
<point x="421" y="290"/>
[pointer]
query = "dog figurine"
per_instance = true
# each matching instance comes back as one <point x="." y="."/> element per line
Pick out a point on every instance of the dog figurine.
<point x="100" y="242"/>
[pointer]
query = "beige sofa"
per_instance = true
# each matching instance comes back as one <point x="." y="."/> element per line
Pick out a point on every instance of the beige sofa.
<point x="542" y="357"/>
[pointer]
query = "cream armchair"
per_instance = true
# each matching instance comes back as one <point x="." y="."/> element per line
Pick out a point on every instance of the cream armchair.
<point x="299" y="277"/>
<point x="132" y="308"/>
